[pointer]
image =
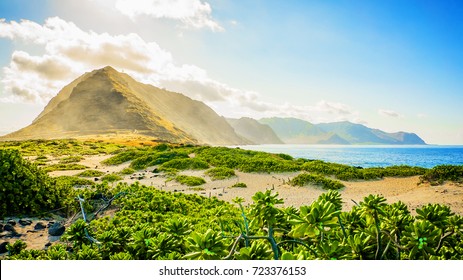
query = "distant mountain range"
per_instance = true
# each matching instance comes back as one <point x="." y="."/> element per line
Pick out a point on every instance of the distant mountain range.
<point x="296" y="131"/>
<point x="106" y="101"/>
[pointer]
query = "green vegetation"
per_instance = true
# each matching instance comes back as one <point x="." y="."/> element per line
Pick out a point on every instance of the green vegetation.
<point x="61" y="147"/>
<point x="316" y="179"/>
<point x="71" y="159"/>
<point x="190" y="180"/>
<point x="346" y="172"/>
<point x="111" y="178"/>
<point x="441" y="173"/>
<point x="25" y="188"/>
<point x="239" y="185"/>
<point x="91" y="173"/>
<point x="150" y="224"/>
<point x="185" y="164"/>
<point x="220" y="173"/>
<point x="127" y="171"/>
<point x="62" y="167"/>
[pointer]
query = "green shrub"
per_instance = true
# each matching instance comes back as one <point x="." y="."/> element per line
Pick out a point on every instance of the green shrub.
<point x="155" y="158"/>
<point x="239" y="185"/>
<point x="316" y="179"/>
<point x="63" y="167"/>
<point x="441" y="173"/>
<point x="71" y="159"/>
<point x="220" y="173"/>
<point x="25" y="188"/>
<point x="190" y="180"/>
<point x="111" y="178"/>
<point x="185" y="164"/>
<point x="127" y="171"/>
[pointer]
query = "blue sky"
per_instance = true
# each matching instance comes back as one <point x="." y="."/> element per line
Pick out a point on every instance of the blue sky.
<point x="392" y="65"/>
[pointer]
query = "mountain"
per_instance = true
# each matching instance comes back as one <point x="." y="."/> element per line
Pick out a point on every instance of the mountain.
<point x="107" y="101"/>
<point x="254" y="131"/>
<point x="360" y="134"/>
<point x="296" y="131"/>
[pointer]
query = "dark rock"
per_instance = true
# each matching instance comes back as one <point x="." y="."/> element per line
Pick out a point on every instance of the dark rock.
<point x="25" y="222"/>
<point x="12" y="222"/>
<point x="56" y="229"/>
<point x="3" y="248"/>
<point x="1" y="227"/>
<point x="96" y="179"/>
<point x="31" y="230"/>
<point x="48" y="244"/>
<point x="9" y="227"/>
<point x="50" y="224"/>
<point x="39" y="226"/>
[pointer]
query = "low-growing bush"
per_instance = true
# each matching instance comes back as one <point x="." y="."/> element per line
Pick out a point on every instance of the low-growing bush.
<point x="185" y="164"/>
<point x="441" y="173"/>
<point x="62" y="167"/>
<point x="111" y="178"/>
<point x="239" y="185"/>
<point x="220" y="173"/>
<point x="71" y="159"/>
<point x="190" y="180"/>
<point x="127" y="171"/>
<point x="316" y="179"/>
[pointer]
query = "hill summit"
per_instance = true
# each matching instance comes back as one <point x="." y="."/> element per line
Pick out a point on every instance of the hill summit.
<point x="106" y="101"/>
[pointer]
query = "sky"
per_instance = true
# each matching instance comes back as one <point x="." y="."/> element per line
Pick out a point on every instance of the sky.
<point x="393" y="65"/>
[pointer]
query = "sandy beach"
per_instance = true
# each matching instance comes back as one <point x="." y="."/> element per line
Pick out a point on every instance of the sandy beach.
<point x="405" y="189"/>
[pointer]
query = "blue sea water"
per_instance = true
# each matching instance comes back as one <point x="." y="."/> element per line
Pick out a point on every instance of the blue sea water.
<point x="371" y="155"/>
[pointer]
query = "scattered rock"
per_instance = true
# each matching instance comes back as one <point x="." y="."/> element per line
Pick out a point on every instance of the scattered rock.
<point x="56" y="229"/>
<point x="50" y="224"/>
<point x="25" y="222"/>
<point x="39" y="226"/>
<point x="31" y="230"/>
<point x="3" y="248"/>
<point x="9" y="227"/>
<point x="12" y="222"/>
<point x="96" y="179"/>
<point x="48" y="245"/>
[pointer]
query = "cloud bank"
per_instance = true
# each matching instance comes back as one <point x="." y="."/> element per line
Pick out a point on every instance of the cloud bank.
<point x="68" y="52"/>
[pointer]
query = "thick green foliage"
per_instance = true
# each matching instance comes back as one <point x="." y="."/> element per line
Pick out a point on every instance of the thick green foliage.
<point x="441" y="173"/>
<point x="64" y="166"/>
<point x="316" y="179"/>
<point x="190" y="180"/>
<point x="91" y="173"/>
<point x="220" y="173"/>
<point x="25" y="188"/>
<point x="239" y="185"/>
<point x="185" y="164"/>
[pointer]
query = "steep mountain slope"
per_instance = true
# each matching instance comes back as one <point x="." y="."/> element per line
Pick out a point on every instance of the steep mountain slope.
<point x="107" y="101"/>
<point x="254" y="131"/>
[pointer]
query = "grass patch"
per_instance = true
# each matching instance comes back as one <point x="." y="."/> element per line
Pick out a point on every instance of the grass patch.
<point x="316" y="179"/>
<point x="190" y="181"/>
<point x="239" y="185"/>
<point x="127" y="171"/>
<point x="185" y="164"/>
<point x="220" y="173"/>
<point x="111" y="178"/>
<point x="441" y="173"/>
<point x="63" y="167"/>
<point x="71" y="159"/>
<point x="91" y="173"/>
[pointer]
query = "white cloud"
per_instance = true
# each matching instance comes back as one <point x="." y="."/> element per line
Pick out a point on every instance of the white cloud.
<point x="389" y="113"/>
<point x="70" y="51"/>
<point x="192" y="13"/>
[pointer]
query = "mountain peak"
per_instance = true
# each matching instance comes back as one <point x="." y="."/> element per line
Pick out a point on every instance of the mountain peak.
<point x="106" y="101"/>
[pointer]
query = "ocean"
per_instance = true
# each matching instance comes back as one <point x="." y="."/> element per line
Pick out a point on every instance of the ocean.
<point x="371" y="155"/>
